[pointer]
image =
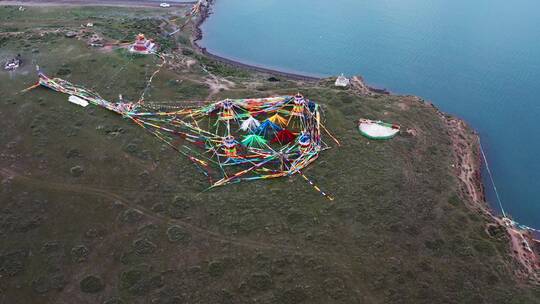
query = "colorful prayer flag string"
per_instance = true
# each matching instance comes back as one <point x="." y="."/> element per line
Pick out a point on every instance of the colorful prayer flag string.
<point x="246" y="139"/>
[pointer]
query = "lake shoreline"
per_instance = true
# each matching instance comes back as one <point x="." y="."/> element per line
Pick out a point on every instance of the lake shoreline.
<point x="467" y="154"/>
<point x="468" y="170"/>
<point x="198" y="35"/>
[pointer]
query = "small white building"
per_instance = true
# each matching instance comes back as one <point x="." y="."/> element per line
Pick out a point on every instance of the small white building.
<point x="342" y="81"/>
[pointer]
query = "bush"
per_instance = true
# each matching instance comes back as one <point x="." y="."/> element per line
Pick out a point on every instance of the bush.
<point x="143" y="247"/>
<point x="92" y="284"/>
<point x="187" y="52"/>
<point x="260" y="281"/>
<point x="140" y="280"/>
<point x="131" y="216"/>
<point x="178" y="234"/>
<point x="216" y="269"/>
<point x="40" y="285"/>
<point x="76" y="171"/>
<point x="334" y="287"/>
<point x="12" y="263"/>
<point x="179" y="207"/>
<point x="79" y="253"/>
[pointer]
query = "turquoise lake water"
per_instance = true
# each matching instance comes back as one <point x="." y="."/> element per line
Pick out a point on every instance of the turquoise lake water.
<point x="479" y="60"/>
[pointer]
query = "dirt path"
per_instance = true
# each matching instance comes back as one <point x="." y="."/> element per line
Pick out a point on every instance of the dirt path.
<point x="216" y="84"/>
<point x="83" y="189"/>
<point x="69" y="293"/>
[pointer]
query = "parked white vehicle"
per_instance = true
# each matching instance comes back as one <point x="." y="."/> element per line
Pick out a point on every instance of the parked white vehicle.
<point x="164" y="4"/>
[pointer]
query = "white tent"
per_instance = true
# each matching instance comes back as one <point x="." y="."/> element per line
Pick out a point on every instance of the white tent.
<point x="342" y="81"/>
<point x="250" y="124"/>
<point x="78" y="101"/>
<point x="377" y="129"/>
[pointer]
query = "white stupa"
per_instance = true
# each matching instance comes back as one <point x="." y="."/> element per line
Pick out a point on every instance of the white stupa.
<point x="342" y="81"/>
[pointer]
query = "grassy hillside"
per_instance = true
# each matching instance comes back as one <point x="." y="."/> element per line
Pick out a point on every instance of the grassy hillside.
<point x="95" y="210"/>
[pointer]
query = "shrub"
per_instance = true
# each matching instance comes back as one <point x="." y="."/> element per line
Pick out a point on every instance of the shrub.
<point x="92" y="284"/>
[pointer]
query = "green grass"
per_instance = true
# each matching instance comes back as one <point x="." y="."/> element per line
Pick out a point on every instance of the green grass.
<point x="221" y="69"/>
<point x="397" y="232"/>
